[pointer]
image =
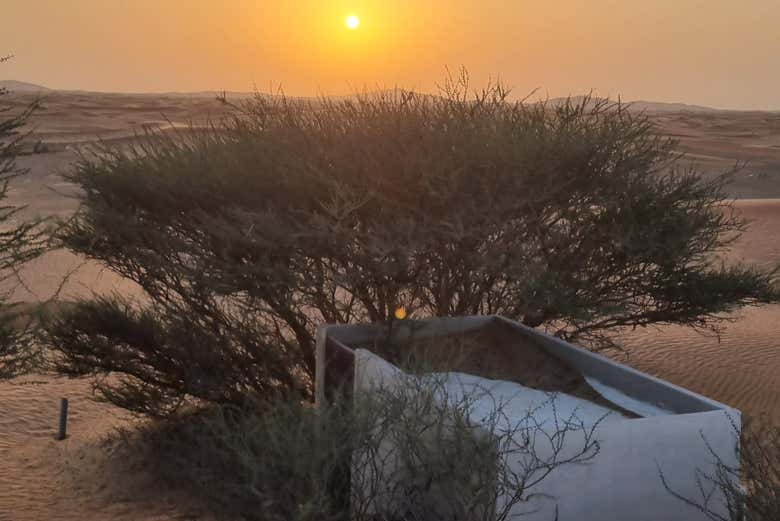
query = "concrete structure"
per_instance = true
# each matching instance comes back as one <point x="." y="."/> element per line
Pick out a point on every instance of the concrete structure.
<point x="667" y="433"/>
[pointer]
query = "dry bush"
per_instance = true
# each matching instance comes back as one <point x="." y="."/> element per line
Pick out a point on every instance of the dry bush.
<point x="408" y="453"/>
<point x="751" y="491"/>
<point x="248" y="235"/>
<point x="760" y="453"/>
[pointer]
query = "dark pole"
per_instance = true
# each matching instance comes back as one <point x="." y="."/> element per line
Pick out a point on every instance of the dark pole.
<point x="63" y="419"/>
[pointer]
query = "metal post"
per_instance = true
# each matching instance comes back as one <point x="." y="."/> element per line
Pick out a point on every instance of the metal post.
<point x="63" y="419"/>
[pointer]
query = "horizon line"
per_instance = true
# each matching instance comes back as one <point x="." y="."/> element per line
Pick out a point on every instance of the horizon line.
<point x="30" y="87"/>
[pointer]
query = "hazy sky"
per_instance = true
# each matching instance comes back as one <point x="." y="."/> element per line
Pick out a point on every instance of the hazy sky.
<point x="724" y="53"/>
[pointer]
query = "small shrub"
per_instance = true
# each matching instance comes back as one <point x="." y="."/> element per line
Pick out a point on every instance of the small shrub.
<point x="408" y="453"/>
<point x="752" y="490"/>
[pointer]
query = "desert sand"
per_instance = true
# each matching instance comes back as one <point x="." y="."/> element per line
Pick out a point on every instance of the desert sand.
<point x="78" y="479"/>
<point x="85" y="477"/>
<point x="717" y="141"/>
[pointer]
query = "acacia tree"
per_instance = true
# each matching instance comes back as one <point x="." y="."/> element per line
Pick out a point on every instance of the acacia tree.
<point x="245" y="236"/>
<point x="19" y="242"/>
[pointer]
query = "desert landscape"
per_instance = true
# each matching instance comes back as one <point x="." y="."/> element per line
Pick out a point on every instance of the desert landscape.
<point x="77" y="479"/>
<point x="365" y="260"/>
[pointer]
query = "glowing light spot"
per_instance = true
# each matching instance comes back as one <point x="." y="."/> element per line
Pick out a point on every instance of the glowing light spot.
<point x="400" y="313"/>
<point x="352" y="21"/>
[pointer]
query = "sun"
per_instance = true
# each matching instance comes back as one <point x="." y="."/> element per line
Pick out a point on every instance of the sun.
<point x="352" y="22"/>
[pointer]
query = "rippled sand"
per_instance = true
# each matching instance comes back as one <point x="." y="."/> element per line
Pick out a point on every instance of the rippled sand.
<point x="742" y="367"/>
<point x="77" y="479"/>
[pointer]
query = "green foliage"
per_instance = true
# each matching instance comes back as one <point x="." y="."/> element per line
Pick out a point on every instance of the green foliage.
<point x="185" y="354"/>
<point x="574" y="217"/>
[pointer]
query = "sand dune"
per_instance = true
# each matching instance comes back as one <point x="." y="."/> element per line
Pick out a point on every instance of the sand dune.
<point x="23" y="86"/>
<point x="715" y="142"/>
<point x="76" y="117"/>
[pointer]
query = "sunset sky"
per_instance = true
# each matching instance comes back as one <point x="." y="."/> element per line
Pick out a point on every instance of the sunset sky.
<point x="724" y="53"/>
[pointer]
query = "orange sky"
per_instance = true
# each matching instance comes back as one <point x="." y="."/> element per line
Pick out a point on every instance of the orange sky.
<point x="722" y="53"/>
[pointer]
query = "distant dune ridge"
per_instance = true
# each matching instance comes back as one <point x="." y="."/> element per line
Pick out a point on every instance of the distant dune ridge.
<point x="648" y="106"/>
<point x="22" y="86"/>
<point x="644" y="106"/>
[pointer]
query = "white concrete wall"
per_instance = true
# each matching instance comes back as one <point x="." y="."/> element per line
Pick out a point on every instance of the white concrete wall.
<point x="622" y="482"/>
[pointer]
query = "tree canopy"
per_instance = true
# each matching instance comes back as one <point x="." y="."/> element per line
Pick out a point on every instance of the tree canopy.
<point x="576" y="217"/>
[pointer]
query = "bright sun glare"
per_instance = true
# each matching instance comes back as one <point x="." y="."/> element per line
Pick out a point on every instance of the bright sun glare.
<point x="353" y="21"/>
